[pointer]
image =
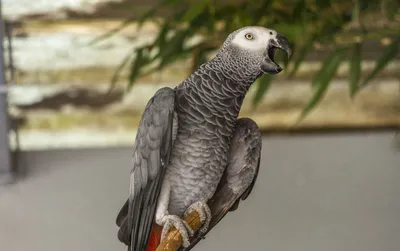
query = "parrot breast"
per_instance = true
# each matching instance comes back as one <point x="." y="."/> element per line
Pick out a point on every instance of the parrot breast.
<point x="207" y="111"/>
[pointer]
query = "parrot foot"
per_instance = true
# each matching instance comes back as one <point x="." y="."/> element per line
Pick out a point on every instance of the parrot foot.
<point x="183" y="227"/>
<point x="204" y="212"/>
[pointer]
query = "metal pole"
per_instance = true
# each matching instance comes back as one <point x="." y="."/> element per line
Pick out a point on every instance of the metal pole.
<point x="5" y="153"/>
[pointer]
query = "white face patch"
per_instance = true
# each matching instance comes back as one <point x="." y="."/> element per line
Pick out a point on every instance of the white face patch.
<point x="260" y="37"/>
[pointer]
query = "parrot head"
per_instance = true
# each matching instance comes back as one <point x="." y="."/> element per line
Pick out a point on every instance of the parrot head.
<point x="252" y="49"/>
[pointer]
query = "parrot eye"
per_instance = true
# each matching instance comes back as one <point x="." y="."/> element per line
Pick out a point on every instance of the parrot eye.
<point x="248" y="36"/>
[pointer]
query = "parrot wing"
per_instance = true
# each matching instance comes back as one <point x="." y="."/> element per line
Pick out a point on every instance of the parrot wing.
<point x="151" y="155"/>
<point x="240" y="175"/>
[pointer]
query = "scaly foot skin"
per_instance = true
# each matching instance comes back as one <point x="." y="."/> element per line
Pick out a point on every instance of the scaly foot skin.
<point x="182" y="226"/>
<point x="204" y="212"/>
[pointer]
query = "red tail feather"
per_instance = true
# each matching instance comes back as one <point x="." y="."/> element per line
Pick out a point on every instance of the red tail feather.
<point x="155" y="238"/>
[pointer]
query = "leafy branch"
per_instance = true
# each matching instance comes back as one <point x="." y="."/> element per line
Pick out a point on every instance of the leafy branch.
<point x="306" y="23"/>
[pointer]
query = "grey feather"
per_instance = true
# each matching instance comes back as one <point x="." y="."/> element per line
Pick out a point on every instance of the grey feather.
<point x="152" y="148"/>
<point x="122" y="213"/>
<point x="240" y="175"/>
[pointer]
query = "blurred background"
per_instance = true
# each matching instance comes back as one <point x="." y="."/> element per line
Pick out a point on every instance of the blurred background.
<point x="77" y="75"/>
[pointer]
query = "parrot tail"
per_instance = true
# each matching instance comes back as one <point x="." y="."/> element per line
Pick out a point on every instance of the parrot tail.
<point x="155" y="237"/>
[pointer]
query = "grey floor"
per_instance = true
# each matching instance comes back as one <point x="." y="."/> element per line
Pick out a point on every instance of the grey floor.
<point x="332" y="192"/>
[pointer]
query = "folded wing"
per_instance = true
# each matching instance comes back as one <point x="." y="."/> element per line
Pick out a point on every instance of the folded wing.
<point x="151" y="154"/>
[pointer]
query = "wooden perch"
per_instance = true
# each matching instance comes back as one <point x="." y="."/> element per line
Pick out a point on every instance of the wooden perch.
<point x="173" y="241"/>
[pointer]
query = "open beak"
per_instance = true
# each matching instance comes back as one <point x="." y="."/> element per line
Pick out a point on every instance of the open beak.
<point x="269" y="65"/>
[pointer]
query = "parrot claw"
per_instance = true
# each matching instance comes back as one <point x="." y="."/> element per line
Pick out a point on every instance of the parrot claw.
<point x="183" y="227"/>
<point x="204" y="212"/>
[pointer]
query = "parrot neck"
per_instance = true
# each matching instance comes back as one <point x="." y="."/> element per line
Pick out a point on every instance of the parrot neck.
<point x="234" y="72"/>
<point x="221" y="87"/>
<point x="219" y="90"/>
<point x="212" y="97"/>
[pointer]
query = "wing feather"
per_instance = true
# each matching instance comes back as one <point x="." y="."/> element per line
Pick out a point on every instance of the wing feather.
<point x="151" y="153"/>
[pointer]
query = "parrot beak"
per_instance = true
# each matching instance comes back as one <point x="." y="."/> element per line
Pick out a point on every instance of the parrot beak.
<point x="269" y="65"/>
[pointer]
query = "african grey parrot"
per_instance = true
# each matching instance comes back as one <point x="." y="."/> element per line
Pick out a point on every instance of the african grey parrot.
<point x="191" y="148"/>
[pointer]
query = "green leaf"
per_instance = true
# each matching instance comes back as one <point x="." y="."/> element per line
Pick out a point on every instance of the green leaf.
<point x="113" y="31"/>
<point x="195" y="10"/>
<point x="355" y="69"/>
<point x="161" y="38"/>
<point x="323" y="3"/>
<point x="213" y="18"/>
<point x="321" y="82"/>
<point x="172" y="47"/>
<point x="151" y="13"/>
<point x="308" y="45"/>
<point x="389" y="8"/>
<point x="299" y="9"/>
<point x="387" y="55"/>
<point x="117" y="72"/>
<point x="262" y="87"/>
<point x="136" y="65"/>
<point x="326" y="66"/>
<point x="147" y="15"/>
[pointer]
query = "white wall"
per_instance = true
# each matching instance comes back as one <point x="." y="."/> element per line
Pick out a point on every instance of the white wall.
<point x="314" y="193"/>
<point x="14" y="9"/>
